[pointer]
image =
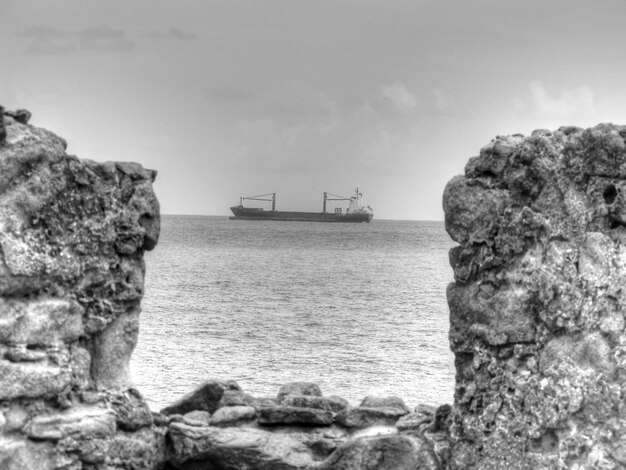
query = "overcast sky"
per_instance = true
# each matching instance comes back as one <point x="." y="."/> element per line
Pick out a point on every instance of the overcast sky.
<point x="240" y="97"/>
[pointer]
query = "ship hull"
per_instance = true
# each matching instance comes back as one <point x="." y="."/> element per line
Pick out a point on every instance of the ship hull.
<point x="246" y="213"/>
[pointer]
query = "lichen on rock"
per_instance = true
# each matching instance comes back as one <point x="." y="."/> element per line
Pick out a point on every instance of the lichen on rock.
<point x="537" y="306"/>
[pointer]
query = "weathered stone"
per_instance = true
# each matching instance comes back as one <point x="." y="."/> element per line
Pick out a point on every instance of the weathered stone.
<point x="113" y="347"/>
<point x="387" y="452"/>
<point x="334" y="404"/>
<point x="361" y="417"/>
<point x="131" y="410"/>
<point x="18" y="453"/>
<point x="384" y="402"/>
<point x="197" y="418"/>
<point x="236" y="449"/>
<point x="299" y="388"/>
<point x="144" y="449"/>
<point x="235" y="398"/>
<point x="85" y="423"/>
<point x="15" y="417"/>
<point x="260" y="402"/>
<point x="321" y="441"/>
<point x="3" y="131"/>
<point x="40" y="321"/>
<point x="230" y="415"/>
<point x="32" y="379"/>
<point x="425" y="409"/>
<point x="413" y="421"/>
<point x="294" y="415"/>
<point x="205" y="397"/>
<point x="72" y="237"/>
<point x="537" y="308"/>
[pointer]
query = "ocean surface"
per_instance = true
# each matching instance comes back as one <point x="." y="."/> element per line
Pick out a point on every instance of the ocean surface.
<point x="358" y="308"/>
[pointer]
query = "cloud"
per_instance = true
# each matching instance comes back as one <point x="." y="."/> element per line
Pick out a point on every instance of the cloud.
<point x="175" y="34"/>
<point x="47" y="40"/>
<point x="318" y="134"/>
<point x="444" y="103"/>
<point x="50" y="47"/>
<point x="399" y="96"/>
<point x="104" y="38"/>
<point x="569" y="102"/>
<point x="43" y="32"/>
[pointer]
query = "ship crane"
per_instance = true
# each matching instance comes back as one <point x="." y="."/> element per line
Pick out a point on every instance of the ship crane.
<point x="260" y="197"/>
<point x="334" y="197"/>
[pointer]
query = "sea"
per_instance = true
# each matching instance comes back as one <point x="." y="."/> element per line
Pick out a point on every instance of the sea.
<point x="360" y="309"/>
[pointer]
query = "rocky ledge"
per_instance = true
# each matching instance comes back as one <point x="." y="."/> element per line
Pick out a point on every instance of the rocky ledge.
<point x="537" y="325"/>
<point x="220" y="426"/>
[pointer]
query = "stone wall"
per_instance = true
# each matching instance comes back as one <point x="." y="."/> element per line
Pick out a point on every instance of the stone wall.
<point x="72" y="237"/>
<point x="536" y="325"/>
<point x="537" y="307"/>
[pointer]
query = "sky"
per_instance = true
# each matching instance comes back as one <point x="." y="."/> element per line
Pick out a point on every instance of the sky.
<point x="228" y="98"/>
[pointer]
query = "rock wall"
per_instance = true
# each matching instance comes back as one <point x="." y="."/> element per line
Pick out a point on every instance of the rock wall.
<point x="538" y="303"/>
<point x="72" y="237"/>
<point x="536" y="324"/>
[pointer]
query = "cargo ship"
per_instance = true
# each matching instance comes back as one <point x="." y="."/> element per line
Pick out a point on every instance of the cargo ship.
<point x="357" y="211"/>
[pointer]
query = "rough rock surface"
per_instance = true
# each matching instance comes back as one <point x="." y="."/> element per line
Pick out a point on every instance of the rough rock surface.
<point x="72" y="237"/>
<point x="536" y="312"/>
<point x="206" y="397"/>
<point x="303" y="431"/>
<point x="537" y="307"/>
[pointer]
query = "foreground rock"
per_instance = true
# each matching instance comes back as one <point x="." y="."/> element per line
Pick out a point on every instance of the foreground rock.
<point x="537" y="309"/>
<point x="537" y="325"/>
<point x="390" y="452"/>
<point x="72" y="238"/>
<point x="206" y="397"/>
<point x="300" y="428"/>
<point x="236" y="448"/>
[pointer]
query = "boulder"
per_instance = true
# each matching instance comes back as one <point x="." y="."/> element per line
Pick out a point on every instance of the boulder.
<point x="231" y="415"/>
<point x="294" y="415"/>
<point x="206" y="397"/>
<point x="413" y="421"/>
<point x="383" y="452"/>
<point x="334" y="404"/>
<point x="362" y="417"/>
<point x="131" y="411"/>
<point x="235" y="398"/>
<point x="299" y="388"/>
<point x="235" y="449"/>
<point x="196" y="418"/>
<point x="384" y="402"/>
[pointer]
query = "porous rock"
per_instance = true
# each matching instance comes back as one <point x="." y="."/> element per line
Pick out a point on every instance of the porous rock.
<point x="537" y="306"/>
<point x="72" y="237"/>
